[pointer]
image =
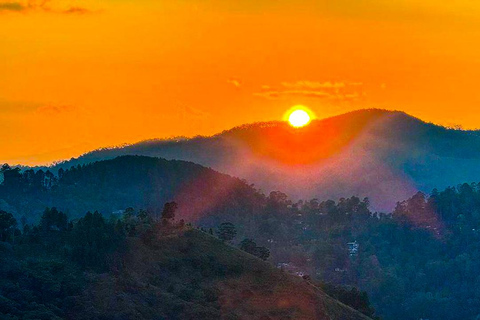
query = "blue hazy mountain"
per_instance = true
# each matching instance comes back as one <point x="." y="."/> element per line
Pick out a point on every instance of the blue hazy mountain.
<point x="383" y="155"/>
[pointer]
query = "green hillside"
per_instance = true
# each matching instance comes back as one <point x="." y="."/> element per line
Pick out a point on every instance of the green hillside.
<point x="193" y="275"/>
<point x="137" y="267"/>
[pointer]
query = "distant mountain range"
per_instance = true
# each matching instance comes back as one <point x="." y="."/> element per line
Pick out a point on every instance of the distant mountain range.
<point x="383" y="155"/>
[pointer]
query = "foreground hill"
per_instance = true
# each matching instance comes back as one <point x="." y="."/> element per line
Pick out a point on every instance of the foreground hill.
<point x="380" y="154"/>
<point x="192" y="275"/>
<point x="136" y="267"/>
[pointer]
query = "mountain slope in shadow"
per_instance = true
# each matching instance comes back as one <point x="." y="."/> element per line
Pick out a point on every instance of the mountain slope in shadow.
<point x="131" y="181"/>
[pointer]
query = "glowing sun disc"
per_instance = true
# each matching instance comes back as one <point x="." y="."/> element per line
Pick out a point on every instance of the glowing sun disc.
<point x="299" y="118"/>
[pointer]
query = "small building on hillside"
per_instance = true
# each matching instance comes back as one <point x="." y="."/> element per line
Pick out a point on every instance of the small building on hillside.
<point x="353" y="248"/>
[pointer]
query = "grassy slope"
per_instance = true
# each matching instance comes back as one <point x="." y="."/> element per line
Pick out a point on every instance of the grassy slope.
<point x="193" y="275"/>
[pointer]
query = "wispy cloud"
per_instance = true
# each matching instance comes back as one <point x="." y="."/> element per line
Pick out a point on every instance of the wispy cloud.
<point x="319" y="85"/>
<point x="235" y="82"/>
<point x="40" y="6"/>
<point x="25" y="6"/>
<point x="275" y="94"/>
<point x="11" y="6"/>
<point x="334" y="90"/>
<point x="191" y="111"/>
<point x="52" y="110"/>
<point x="77" y="10"/>
<point x="187" y="112"/>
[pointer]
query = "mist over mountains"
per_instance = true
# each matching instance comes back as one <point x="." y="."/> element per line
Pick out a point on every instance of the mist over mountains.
<point x="383" y="155"/>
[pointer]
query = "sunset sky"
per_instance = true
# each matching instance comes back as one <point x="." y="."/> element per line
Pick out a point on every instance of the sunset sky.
<point x="79" y="75"/>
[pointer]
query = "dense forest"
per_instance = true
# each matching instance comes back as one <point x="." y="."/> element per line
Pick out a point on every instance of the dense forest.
<point x="141" y="267"/>
<point x="419" y="261"/>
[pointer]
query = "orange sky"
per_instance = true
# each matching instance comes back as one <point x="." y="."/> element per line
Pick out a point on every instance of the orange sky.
<point x="82" y="74"/>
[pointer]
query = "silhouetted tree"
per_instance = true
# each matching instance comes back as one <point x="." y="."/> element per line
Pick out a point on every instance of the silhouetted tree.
<point x="61" y="172"/>
<point x="248" y="245"/>
<point x="12" y="178"/>
<point x="262" y="252"/>
<point x="169" y="209"/>
<point x="39" y="180"/>
<point x="50" y="179"/>
<point x="52" y="219"/>
<point x="144" y="216"/>
<point x="226" y="231"/>
<point x="129" y="220"/>
<point x="7" y="225"/>
<point x="93" y="239"/>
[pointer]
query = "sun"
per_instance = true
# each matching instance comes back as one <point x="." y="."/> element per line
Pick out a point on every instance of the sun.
<point x="299" y="118"/>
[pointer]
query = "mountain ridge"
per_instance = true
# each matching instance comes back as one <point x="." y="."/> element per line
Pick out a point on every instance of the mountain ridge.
<point x="385" y="155"/>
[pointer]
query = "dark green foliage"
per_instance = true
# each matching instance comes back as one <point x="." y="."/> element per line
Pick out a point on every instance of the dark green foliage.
<point x="422" y="261"/>
<point x="12" y="178"/>
<point x="92" y="240"/>
<point x="53" y="220"/>
<point x="226" y="231"/>
<point x="43" y="272"/>
<point x="352" y="297"/>
<point x="169" y="209"/>
<point x="38" y="288"/>
<point x="262" y="252"/>
<point x="7" y="225"/>
<point x="249" y="246"/>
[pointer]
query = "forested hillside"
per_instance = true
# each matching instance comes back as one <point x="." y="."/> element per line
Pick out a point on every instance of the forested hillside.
<point x="138" y="267"/>
<point x="129" y="181"/>
<point x="418" y="261"/>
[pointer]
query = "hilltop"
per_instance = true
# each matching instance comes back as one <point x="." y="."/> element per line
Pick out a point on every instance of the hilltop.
<point x="113" y="185"/>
